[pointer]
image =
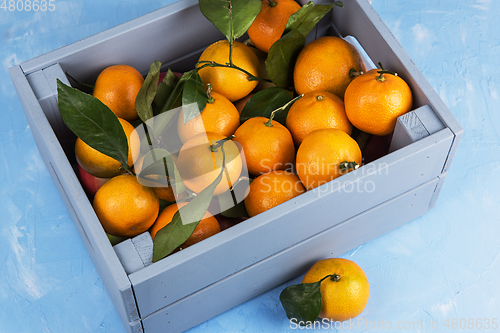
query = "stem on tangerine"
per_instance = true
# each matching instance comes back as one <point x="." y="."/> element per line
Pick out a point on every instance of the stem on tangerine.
<point x="335" y="277"/>
<point x="209" y="94"/>
<point x="355" y="73"/>
<point x="383" y="71"/>
<point x="250" y="77"/>
<point x="231" y="53"/>
<point x="219" y="143"/>
<point x="268" y="123"/>
<point x="345" y="166"/>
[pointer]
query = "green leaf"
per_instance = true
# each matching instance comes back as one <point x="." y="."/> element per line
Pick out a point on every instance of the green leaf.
<point x="302" y="302"/>
<point x="266" y="101"/>
<point x="177" y="232"/>
<point x="295" y="20"/>
<point x="175" y="98"/>
<point x="166" y="87"/>
<point x="157" y="162"/>
<point x="179" y="184"/>
<point x="171" y="106"/>
<point x="194" y="97"/>
<point x="156" y="168"/>
<point x="163" y="120"/>
<point x="282" y="56"/>
<point x="231" y="17"/>
<point x="306" y="18"/>
<point x="115" y="239"/>
<point x="147" y="93"/>
<point x="93" y="122"/>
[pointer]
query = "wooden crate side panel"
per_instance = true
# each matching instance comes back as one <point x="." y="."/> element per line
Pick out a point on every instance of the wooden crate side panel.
<point x="276" y="229"/>
<point x="290" y="262"/>
<point x="439" y="186"/>
<point x="95" y="241"/>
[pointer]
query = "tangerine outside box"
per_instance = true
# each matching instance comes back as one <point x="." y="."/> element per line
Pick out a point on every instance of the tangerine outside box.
<point x="264" y="251"/>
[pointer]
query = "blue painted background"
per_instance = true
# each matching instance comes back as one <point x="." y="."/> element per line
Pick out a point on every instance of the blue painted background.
<point x="442" y="266"/>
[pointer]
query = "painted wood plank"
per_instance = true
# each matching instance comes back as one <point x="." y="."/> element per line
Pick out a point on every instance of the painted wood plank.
<point x="369" y="64"/>
<point x="128" y="256"/>
<point x="143" y="245"/>
<point x="135" y="253"/>
<point x="291" y="262"/>
<point x="52" y="74"/>
<point x="408" y="129"/>
<point x="38" y="82"/>
<point x="414" y="126"/>
<point x="439" y="186"/>
<point x="429" y="119"/>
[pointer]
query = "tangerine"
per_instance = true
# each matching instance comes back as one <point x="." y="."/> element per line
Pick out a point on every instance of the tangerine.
<point x="326" y="64"/>
<point x="326" y="154"/>
<point x="219" y="116"/>
<point x="117" y="87"/>
<point x="270" y="23"/>
<point x="103" y="166"/>
<point x="316" y="110"/>
<point x="345" y="294"/>
<point x="267" y="145"/>
<point x="124" y="207"/>
<point x="271" y="189"/>
<point x="240" y="104"/>
<point x="230" y="82"/>
<point x="374" y="101"/>
<point x="200" y="162"/>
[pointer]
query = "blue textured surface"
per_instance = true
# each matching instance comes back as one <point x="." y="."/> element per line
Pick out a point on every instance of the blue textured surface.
<point x="442" y="266"/>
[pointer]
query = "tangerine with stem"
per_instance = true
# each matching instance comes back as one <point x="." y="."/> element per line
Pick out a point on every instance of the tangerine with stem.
<point x="374" y="101"/>
<point x="326" y="154"/>
<point x="232" y="71"/>
<point x="219" y="116"/>
<point x="267" y="145"/>
<point x="200" y="162"/>
<point x="270" y="23"/>
<point x="316" y="110"/>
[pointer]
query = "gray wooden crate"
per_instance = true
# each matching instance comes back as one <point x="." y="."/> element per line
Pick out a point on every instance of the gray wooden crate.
<point x="281" y="242"/>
